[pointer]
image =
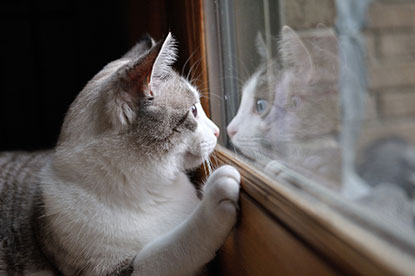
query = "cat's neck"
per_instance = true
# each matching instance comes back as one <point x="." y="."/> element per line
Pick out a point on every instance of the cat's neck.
<point x="123" y="178"/>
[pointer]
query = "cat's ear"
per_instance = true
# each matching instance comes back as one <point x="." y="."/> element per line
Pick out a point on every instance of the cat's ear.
<point x="137" y="80"/>
<point x="135" y="75"/>
<point x="146" y="72"/>
<point x="143" y="44"/>
<point x="294" y="53"/>
<point x="164" y="60"/>
<point x="260" y="46"/>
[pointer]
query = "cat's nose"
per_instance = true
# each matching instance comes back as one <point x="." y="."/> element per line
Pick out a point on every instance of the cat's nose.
<point x="231" y="131"/>
<point x="216" y="132"/>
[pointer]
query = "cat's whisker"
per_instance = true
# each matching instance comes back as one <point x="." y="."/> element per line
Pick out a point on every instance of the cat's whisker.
<point x="239" y="80"/>
<point x="213" y="156"/>
<point x="203" y="94"/>
<point x="209" y="166"/>
<point x="216" y="96"/>
<point x="216" y="160"/>
<point x="206" y="162"/>
<point x="193" y="67"/>
<point x="203" y="164"/>
<point x="187" y="61"/>
<point x="234" y="149"/>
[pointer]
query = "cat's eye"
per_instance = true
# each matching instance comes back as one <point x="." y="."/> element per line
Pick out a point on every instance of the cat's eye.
<point x="194" y="110"/>
<point x="261" y="106"/>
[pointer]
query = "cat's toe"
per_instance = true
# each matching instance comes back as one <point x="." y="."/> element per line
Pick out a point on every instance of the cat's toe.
<point x="223" y="201"/>
<point x="226" y="189"/>
<point x="225" y="171"/>
<point x="273" y="168"/>
<point x="222" y="193"/>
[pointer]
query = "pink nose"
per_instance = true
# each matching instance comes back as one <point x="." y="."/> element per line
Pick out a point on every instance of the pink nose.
<point x="231" y="131"/>
<point x="216" y="132"/>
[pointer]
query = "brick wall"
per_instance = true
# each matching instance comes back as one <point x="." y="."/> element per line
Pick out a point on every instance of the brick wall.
<point x="307" y="14"/>
<point x="390" y="47"/>
<point x="390" y="42"/>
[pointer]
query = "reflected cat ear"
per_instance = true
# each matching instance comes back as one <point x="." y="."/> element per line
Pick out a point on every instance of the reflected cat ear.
<point x="294" y="52"/>
<point x="260" y="46"/>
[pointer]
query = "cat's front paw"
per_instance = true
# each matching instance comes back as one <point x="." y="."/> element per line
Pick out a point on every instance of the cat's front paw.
<point x="273" y="168"/>
<point x="221" y="194"/>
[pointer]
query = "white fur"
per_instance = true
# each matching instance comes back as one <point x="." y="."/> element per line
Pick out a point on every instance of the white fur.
<point x="247" y="129"/>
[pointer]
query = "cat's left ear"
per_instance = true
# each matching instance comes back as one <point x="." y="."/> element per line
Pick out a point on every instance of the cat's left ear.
<point x="153" y="66"/>
<point x="146" y="73"/>
<point x="140" y="78"/>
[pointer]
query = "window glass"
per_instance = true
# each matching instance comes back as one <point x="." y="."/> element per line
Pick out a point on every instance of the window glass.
<point x="324" y="91"/>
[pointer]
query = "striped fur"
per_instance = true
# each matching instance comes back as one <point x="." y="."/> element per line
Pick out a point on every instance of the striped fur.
<point x="19" y="188"/>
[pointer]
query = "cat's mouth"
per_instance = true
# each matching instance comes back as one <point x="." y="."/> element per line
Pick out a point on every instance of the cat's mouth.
<point x="207" y="148"/>
<point x="202" y="153"/>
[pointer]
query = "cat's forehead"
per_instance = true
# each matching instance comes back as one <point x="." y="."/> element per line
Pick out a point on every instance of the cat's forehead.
<point x="192" y="89"/>
<point x="178" y="93"/>
<point x="258" y="86"/>
<point x="186" y="90"/>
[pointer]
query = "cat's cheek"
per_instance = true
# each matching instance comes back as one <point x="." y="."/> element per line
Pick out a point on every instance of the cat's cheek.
<point x="192" y="161"/>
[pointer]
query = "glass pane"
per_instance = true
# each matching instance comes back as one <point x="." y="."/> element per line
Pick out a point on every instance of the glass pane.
<point x="323" y="90"/>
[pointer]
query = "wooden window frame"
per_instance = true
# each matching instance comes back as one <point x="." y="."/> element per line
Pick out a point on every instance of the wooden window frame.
<point x="278" y="233"/>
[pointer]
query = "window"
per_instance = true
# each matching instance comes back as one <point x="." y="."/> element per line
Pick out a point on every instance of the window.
<point x="318" y="102"/>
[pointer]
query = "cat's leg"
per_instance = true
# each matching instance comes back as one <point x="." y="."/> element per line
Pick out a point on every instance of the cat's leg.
<point x="184" y="250"/>
<point x="273" y="168"/>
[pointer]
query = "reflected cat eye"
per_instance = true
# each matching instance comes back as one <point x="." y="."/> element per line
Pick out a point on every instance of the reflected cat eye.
<point x="261" y="106"/>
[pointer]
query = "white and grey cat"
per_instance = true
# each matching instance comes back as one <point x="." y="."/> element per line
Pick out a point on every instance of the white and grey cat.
<point x="113" y="198"/>
<point x="293" y="115"/>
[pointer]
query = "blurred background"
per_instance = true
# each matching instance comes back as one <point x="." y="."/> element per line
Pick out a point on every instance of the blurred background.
<point x="50" y="49"/>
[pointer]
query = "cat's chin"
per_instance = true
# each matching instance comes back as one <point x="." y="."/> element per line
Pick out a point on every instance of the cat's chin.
<point x="192" y="161"/>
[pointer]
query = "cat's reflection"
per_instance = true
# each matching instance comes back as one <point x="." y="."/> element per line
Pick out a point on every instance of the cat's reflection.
<point x="289" y="107"/>
<point x="289" y="114"/>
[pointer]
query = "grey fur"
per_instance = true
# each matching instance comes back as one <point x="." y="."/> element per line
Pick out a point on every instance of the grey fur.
<point x="19" y="190"/>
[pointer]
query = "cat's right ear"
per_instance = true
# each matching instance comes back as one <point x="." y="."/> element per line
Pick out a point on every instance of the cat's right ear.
<point x="261" y="46"/>
<point x="143" y="44"/>
<point x="294" y="53"/>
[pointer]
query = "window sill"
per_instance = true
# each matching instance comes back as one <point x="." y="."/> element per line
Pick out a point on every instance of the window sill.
<point x="281" y="233"/>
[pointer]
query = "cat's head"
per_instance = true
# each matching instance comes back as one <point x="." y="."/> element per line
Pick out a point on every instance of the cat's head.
<point x="248" y="128"/>
<point x="140" y="105"/>
<point x="300" y="99"/>
<point x="306" y="95"/>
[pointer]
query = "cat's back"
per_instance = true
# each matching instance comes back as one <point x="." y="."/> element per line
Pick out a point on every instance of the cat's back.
<point x="19" y="166"/>
<point x="19" y="185"/>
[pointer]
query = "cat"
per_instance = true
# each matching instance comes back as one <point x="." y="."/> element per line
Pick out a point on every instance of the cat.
<point x="297" y="121"/>
<point x="113" y="198"/>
